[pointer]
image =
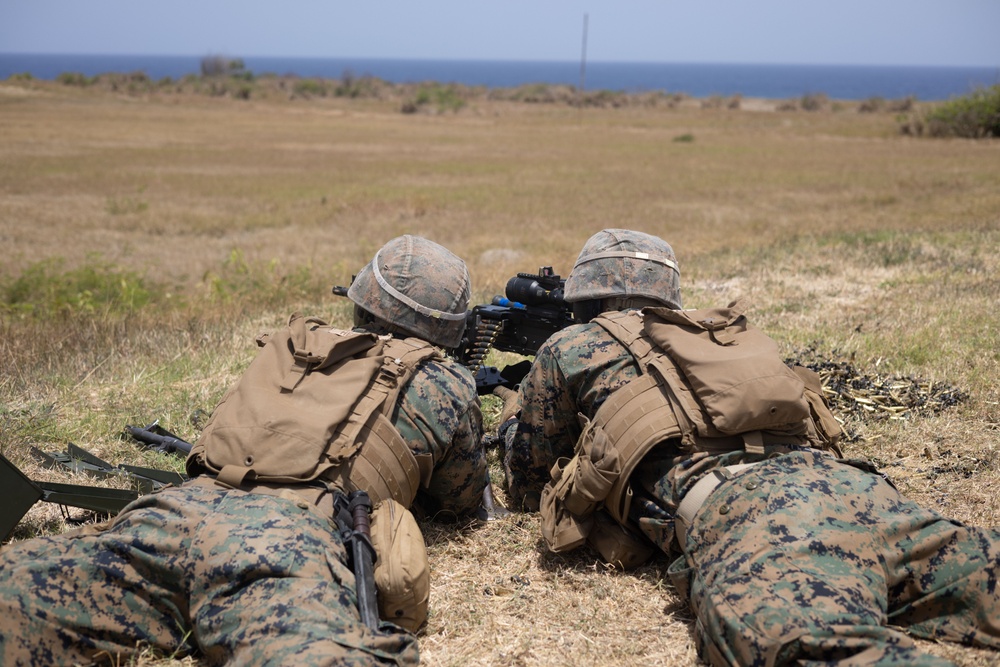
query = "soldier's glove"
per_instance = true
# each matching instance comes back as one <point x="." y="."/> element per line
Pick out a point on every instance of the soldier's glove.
<point x="511" y="403"/>
<point x="509" y="413"/>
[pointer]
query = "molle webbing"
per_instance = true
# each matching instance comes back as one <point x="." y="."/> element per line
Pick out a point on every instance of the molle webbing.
<point x="637" y="416"/>
<point x="348" y="437"/>
<point x="384" y="466"/>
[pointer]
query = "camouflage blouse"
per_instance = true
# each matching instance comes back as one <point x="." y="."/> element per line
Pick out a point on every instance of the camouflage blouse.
<point x="439" y="413"/>
<point x="574" y="371"/>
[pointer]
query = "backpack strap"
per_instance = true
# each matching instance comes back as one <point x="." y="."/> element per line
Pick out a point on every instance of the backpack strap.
<point x="637" y="416"/>
<point x="383" y="464"/>
<point x="402" y="358"/>
<point x="626" y="326"/>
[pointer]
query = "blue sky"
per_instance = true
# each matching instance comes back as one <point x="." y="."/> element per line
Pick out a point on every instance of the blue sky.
<point x="847" y="32"/>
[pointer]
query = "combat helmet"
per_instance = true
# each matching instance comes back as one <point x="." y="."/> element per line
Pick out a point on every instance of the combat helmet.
<point x="417" y="286"/>
<point x="625" y="265"/>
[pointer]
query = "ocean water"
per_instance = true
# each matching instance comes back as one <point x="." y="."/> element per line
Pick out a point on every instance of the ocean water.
<point x="698" y="80"/>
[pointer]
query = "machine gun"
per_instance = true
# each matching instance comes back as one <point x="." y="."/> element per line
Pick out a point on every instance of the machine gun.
<point x="532" y="309"/>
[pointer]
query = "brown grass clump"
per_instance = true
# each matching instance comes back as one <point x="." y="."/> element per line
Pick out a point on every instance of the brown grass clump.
<point x="179" y="225"/>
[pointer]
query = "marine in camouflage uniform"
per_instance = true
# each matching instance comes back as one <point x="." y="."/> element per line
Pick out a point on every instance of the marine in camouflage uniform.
<point x="801" y="559"/>
<point x="236" y="577"/>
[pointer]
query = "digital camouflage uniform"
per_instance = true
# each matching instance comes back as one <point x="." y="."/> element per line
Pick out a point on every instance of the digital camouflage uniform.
<point x="230" y="576"/>
<point x="801" y="558"/>
<point x="246" y="578"/>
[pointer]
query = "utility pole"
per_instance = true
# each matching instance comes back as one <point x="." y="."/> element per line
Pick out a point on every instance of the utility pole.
<point x="583" y="56"/>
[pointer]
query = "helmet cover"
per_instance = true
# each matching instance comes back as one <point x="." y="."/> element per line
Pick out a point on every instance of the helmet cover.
<point x="416" y="285"/>
<point x="625" y="263"/>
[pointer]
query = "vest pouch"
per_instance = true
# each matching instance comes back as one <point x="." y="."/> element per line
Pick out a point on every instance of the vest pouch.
<point x="733" y="368"/>
<point x="617" y="543"/>
<point x="561" y="529"/>
<point x="588" y="478"/>
<point x="402" y="572"/>
<point x="828" y="428"/>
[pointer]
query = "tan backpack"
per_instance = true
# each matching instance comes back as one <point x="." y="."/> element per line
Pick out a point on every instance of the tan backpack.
<point x="709" y="379"/>
<point x="307" y="403"/>
<point x="315" y="406"/>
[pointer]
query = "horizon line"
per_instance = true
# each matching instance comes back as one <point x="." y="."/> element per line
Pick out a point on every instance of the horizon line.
<point x="567" y="61"/>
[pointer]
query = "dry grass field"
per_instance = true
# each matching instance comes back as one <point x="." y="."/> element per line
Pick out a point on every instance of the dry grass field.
<point x="147" y="239"/>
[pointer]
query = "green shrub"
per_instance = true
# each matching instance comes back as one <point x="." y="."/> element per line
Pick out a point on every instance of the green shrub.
<point x="212" y="66"/>
<point x="538" y="93"/>
<point x="603" y="99"/>
<point x="132" y="83"/>
<point x="974" y="116"/>
<point x="351" y="86"/>
<point x="814" y="102"/>
<point x="74" y="79"/>
<point x="43" y="290"/>
<point x="441" y="98"/>
<point x="243" y="91"/>
<point x="309" y="88"/>
<point x="903" y="104"/>
<point x="872" y="105"/>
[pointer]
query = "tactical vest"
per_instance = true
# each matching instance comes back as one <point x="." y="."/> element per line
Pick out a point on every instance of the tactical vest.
<point x="709" y="380"/>
<point x="313" y="411"/>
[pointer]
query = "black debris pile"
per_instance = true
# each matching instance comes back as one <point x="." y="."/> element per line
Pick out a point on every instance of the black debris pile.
<point x="866" y="397"/>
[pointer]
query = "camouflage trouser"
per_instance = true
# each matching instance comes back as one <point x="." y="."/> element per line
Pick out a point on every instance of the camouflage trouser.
<point x="228" y="576"/>
<point x="806" y="560"/>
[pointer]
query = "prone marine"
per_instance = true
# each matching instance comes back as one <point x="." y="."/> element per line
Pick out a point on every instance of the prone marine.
<point x="246" y="562"/>
<point x="650" y="428"/>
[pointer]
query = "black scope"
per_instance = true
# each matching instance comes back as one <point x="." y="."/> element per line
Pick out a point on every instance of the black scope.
<point x="527" y="290"/>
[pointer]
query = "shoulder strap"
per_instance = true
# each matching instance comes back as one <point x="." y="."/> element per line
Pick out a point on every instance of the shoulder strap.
<point x="380" y="461"/>
<point x="638" y="415"/>
<point x="627" y="328"/>
<point x="402" y="358"/>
